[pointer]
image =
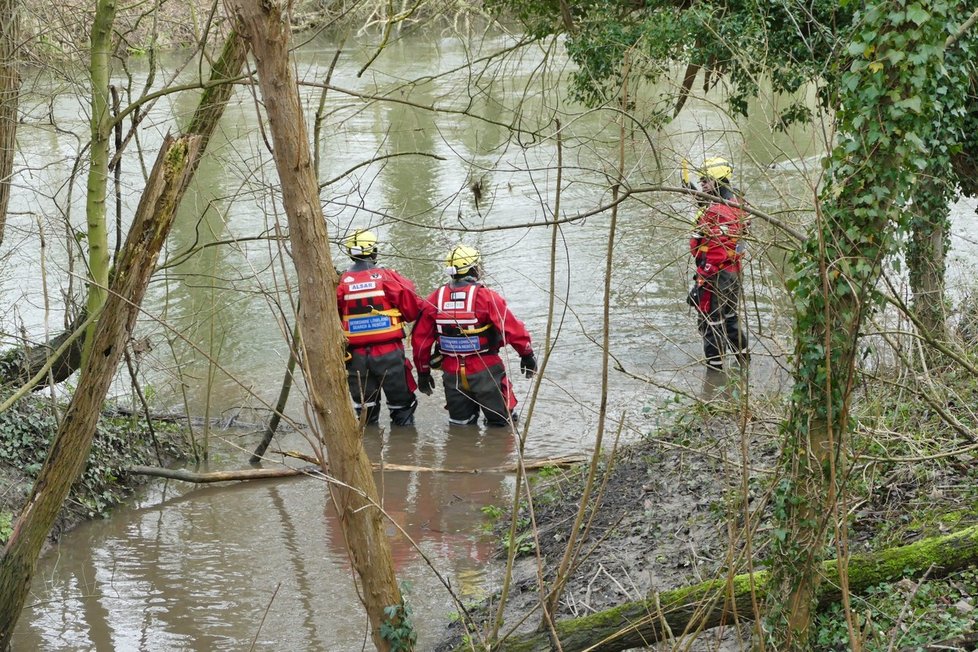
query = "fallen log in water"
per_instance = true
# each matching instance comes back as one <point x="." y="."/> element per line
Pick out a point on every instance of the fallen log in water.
<point x="528" y="465"/>
<point x="223" y="476"/>
<point x="725" y="601"/>
<point x="286" y="472"/>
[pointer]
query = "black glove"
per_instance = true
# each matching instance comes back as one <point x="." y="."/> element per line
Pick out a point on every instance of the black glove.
<point x="426" y="384"/>
<point x="436" y="357"/>
<point x="528" y="365"/>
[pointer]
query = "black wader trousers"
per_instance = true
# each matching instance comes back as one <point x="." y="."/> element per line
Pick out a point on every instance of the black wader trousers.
<point x="720" y="325"/>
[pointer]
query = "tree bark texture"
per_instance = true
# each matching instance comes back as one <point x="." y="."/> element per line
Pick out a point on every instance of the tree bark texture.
<point x="265" y="26"/>
<point x="718" y="602"/>
<point x="926" y="259"/>
<point x="98" y="170"/>
<point x="212" y="103"/>
<point x="927" y="280"/>
<point x="69" y="451"/>
<point x="18" y="366"/>
<point x="9" y="96"/>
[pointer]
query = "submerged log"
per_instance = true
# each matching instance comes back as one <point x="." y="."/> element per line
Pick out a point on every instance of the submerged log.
<point x="63" y="352"/>
<point x="528" y="465"/>
<point x="286" y="472"/>
<point x="223" y="476"/>
<point x="19" y="365"/>
<point x="69" y="451"/>
<point x="725" y="601"/>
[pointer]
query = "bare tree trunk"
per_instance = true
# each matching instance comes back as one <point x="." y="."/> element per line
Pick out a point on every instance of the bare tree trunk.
<point x="18" y="366"/>
<point x="71" y="445"/>
<point x="265" y="25"/>
<point x="215" y="98"/>
<point x="98" y="171"/>
<point x="9" y="95"/>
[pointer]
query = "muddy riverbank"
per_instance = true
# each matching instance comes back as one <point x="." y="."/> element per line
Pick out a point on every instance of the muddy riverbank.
<point x="672" y="511"/>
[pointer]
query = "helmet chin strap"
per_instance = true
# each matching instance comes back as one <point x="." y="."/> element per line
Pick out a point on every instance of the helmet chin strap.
<point x="458" y="276"/>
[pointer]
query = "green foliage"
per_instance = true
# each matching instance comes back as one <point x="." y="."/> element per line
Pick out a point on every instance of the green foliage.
<point x="904" y="615"/>
<point x="897" y="96"/>
<point x="6" y="526"/>
<point x="741" y="42"/>
<point x="28" y="428"/>
<point x="523" y="542"/>
<point x="397" y="627"/>
<point x="493" y="512"/>
<point x="548" y="472"/>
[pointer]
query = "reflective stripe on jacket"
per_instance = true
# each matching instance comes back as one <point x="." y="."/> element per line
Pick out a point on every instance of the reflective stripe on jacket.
<point x="368" y="315"/>
<point x="460" y="332"/>
<point x="488" y="308"/>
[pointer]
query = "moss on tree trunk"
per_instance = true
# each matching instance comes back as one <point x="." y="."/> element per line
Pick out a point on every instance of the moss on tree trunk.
<point x="71" y="445"/>
<point x="719" y="601"/>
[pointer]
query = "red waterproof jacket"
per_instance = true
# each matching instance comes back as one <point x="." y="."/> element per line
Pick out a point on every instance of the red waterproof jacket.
<point x="719" y="228"/>
<point x="471" y="323"/>
<point x="374" y="305"/>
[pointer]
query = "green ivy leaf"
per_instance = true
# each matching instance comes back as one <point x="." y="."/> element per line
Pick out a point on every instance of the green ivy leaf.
<point x="917" y="14"/>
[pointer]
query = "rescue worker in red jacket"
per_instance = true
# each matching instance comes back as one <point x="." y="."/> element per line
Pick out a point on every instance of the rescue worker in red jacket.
<point x="464" y="324"/>
<point x="375" y="305"/>
<point x="717" y="246"/>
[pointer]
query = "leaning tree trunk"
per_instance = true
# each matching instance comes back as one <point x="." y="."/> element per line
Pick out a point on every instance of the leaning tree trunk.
<point x="9" y="94"/>
<point x="265" y="25"/>
<point x="18" y="366"/>
<point x="727" y="601"/>
<point x="69" y="451"/>
<point x="872" y="171"/>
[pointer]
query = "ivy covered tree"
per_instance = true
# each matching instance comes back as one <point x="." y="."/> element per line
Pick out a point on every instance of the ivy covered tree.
<point x="900" y="77"/>
<point x="899" y="95"/>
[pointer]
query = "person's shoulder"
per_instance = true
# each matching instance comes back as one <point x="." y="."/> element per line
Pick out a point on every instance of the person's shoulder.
<point x="392" y="273"/>
<point x="730" y="207"/>
<point x="433" y="296"/>
<point x="490" y="295"/>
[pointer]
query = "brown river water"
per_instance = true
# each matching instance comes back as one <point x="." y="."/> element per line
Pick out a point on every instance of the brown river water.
<point x="262" y="565"/>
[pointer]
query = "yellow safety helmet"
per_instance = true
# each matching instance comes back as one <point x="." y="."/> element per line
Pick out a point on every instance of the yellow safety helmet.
<point x="361" y="244"/>
<point x="716" y="168"/>
<point x="461" y="260"/>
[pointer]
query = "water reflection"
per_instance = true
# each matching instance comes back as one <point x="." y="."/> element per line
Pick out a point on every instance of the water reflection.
<point x="441" y="511"/>
<point x="196" y="568"/>
<point x="200" y="568"/>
